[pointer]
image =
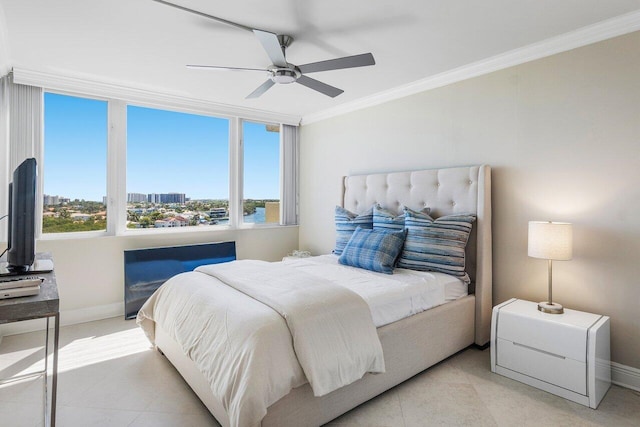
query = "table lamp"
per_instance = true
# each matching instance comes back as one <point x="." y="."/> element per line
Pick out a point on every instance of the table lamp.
<point x="550" y="241"/>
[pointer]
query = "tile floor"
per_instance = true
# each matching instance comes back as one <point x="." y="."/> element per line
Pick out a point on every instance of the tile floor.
<point x="109" y="376"/>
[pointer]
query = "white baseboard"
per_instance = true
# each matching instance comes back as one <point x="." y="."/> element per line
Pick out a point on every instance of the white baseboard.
<point x="625" y="376"/>
<point x="622" y="375"/>
<point x="90" y="314"/>
<point x="67" y="317"/>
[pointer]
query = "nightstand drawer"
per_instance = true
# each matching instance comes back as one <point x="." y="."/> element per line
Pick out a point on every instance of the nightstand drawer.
<point x="560" y="334"/>
<point x="552" y="368"/>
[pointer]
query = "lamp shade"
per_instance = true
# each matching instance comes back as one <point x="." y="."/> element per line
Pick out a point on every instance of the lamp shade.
<point x="550" y="240"/>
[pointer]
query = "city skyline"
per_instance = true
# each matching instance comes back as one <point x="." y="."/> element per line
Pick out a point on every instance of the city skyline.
<point x="157" y="159"/>
<point x="53" y="199"/>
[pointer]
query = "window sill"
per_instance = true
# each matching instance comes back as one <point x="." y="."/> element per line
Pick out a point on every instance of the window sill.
<point x="73" y="235"/>
<point x="172" y="230"/>
<point x="164" y="231"/>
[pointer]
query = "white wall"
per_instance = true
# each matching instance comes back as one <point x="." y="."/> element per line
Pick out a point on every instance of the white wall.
<point x="5" y="54"/>
<point x="90" y="271"/>
<point x="563" y="137"/>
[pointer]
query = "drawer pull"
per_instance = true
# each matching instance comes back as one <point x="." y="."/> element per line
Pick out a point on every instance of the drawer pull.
<point x="539" y="351"/>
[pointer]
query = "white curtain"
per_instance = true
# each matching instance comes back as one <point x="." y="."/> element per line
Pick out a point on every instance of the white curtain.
<point x="289" y="181"/>
<point x="21" y="132"/>
<point x="25" y="123"/>
<point x="4" y="155"/>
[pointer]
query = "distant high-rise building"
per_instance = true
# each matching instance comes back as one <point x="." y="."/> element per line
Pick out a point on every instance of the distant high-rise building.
<point x="272" y="212"/>
<point x="178" y="198"/>
<point x="173" y="198"/>
<point x="136" y="197"/>
<point x="50" y="200"/>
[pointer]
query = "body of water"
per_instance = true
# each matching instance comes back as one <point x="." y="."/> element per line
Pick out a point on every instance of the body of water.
<point x="255" y="218"/>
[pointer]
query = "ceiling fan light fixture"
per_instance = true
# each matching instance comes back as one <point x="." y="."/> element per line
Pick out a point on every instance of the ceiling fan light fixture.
<point x="284" y="75"/>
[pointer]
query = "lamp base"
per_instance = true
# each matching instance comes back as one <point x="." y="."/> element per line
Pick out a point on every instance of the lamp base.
<point x="553" y="308"/>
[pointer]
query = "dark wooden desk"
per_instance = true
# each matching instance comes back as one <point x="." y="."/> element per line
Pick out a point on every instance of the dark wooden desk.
<point x="44" y="305"/>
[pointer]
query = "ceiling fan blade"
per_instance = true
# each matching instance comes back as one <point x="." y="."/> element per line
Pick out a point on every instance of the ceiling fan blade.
<point x="261" y="89"/>
<point x="335" y="64"/>
<point x="319" y="86"/>
<point x="215" y="18"/>
<point x="219" y="68"/>
<point x="271" y="44"/>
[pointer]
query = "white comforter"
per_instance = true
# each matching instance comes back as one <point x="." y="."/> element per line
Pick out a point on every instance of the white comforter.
<point x="333" y="333"/>
<point x="251" y="352"/>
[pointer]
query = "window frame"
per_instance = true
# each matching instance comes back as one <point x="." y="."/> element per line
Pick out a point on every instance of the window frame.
<point x="41" y="178"/>
<point x="116" y="191"/>
<point x="122" y="230"/>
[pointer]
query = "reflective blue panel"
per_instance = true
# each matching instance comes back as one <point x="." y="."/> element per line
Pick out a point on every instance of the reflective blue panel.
<point x="146" y="269"/>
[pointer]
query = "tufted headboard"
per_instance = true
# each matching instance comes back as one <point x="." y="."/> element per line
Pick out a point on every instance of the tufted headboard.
<point x="445" y="191"/>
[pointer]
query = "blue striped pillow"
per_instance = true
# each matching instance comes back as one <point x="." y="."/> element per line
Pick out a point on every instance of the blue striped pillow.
<point x="375" y="250"/>
<point x="387" y="220"/>
<point x="436" y="245"/>
<point x="346" y="224"/>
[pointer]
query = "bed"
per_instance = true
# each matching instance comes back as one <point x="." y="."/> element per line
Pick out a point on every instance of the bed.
<point x="410" y="345"/>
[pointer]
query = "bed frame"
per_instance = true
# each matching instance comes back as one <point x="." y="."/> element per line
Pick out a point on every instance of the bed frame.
<point x="410" y="345"/>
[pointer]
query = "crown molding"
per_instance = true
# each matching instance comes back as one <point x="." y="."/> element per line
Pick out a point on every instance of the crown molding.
<point x="82" y="85"/>
<point x="590" y="34"/>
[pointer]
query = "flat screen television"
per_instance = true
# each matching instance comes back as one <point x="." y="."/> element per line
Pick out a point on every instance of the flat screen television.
<point x="21" y="248"/>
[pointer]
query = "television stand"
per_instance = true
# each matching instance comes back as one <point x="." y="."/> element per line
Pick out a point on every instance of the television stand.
<point x="45" y="305"/>
<point x="40" y="265"/>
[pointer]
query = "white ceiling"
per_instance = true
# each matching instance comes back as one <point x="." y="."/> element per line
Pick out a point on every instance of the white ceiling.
<point x="144" y="44"/>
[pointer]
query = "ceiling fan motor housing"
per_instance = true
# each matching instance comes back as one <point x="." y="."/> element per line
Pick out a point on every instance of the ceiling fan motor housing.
<point x="284" y="75"/>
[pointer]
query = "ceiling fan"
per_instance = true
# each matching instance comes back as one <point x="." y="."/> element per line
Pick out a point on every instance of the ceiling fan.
<point x="281" y="71"/>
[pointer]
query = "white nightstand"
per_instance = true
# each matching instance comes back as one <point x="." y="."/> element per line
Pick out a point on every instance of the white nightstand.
<point x="565" y="354"/>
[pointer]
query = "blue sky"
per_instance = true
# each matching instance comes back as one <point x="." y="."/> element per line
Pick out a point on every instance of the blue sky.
<point x="166" y="152"/>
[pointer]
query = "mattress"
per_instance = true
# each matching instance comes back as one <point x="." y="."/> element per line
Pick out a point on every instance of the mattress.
<point x="390" y="297"/>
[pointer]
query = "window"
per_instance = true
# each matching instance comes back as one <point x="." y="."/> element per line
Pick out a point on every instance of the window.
<point x="75" y="164"/>
<point x="177" y="169"/>
<point x="160" y="168"/>
<point x="261" y="202"/>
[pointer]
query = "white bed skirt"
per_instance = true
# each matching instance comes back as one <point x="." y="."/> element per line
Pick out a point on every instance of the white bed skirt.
<point x="410" y="346"/>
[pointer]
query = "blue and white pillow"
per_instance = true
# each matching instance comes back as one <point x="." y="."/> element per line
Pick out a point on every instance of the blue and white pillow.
<point x="387" y="220"/>
<point x="346" y="224"/>
<point x="375" y="250"/>
<point x="436" y="245"/>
